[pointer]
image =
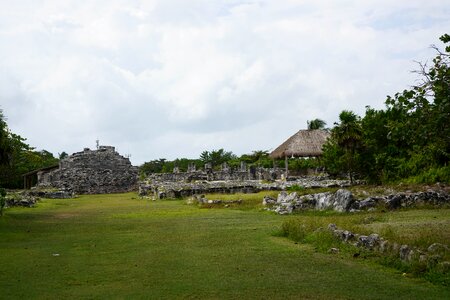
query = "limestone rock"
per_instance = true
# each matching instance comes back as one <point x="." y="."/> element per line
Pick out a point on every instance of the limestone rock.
<point x="404" y="252"/>
<point x="437" y="248"/>
<point x="444" y="267"/>
<point x="333" y="250"/>
<point x="342" y="200"/>
<point x="267" y="200"/>
<point x="370" y="242"/>
<point x="332" y="227"/>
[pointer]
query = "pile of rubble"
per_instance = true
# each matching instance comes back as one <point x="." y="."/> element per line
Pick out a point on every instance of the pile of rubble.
<point x="29" y="198"/>
<point x="24" y="199"/>
<point x="201" y="199"/>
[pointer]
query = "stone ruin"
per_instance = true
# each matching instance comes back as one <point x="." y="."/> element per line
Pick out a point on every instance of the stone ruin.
<point x="92" y="172"/>
<point x="344" y="201"/>
<point x="431" y="257"/>
<point x="225" y="173"/>
<point x="226" y="180"/>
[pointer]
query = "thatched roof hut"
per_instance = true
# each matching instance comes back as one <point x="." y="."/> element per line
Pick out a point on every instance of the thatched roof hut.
<point x="305" y="143"/>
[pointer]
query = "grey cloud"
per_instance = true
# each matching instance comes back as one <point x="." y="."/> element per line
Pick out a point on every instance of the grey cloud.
<point x="174" y="78"/>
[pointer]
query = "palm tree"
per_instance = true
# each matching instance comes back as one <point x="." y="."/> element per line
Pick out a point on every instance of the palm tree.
<point x="316" y="124"/>
<point x="348" y="134"/>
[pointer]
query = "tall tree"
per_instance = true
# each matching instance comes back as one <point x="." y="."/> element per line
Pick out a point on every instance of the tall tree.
<point x="316" y="124"/>
<point x="17" y="157"/>
<point x="63" y="155"/>
<point x="216" y="157"/>
<point x="347" y="135"/>
<point x="5" y="147"/>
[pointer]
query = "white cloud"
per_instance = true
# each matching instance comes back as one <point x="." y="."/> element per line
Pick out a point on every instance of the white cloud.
<point x="174" y="78"/>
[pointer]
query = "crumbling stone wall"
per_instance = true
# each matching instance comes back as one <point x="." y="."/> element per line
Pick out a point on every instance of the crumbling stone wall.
<point x="93" y="172"/>
<point x="343" y="201"/>
<point x="224" y="174"/>
<point x="167" y="189"/>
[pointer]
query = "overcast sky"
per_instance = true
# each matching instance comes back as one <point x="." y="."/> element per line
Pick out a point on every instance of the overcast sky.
<point x="168" y="79"/>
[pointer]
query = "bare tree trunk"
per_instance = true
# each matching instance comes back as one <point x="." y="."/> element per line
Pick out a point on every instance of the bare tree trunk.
<point x="286" y="166"/>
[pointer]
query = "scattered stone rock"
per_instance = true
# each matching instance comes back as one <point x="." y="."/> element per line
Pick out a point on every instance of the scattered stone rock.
<point x="404" y="252"/>
<point x="369" y="242"/>
<point x="370" y="202"/>
<point x="333" y="250"/>
<point x="343" y="201"/>
<point x="437" y="248"/>
<point x="384" y="246"/>
<point x="444" y="267"/>
<point x="394" y="201"/>
<point x="201" y="199"/>
<point x="433" y="260"/>
<point x="24" y="199"/>
<point x="347" y="236"/>
<point x="288" y="202"/>
<point x="423" y="258"/>
<point x="332" y="226"/>
<point x="267" y="200"/>
<point x="52" y="193"/>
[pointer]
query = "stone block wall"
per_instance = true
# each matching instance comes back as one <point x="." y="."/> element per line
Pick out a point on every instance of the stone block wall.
<point x="226" y="174"/>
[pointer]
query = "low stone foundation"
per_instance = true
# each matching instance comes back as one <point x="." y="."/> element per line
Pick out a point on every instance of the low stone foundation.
<point x="161" y="190"/>
<point x="431" y="257"/>
<point x="343" y="201"/>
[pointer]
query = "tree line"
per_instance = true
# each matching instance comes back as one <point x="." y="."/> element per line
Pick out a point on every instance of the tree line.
<point x="408" y="140"/>
<point x="215" y="158"/>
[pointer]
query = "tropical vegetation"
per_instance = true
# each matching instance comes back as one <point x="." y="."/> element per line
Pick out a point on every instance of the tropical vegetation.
<point x="409" y="139"/>
<point x="316" y="124"/>
<point x="18" y="158"/>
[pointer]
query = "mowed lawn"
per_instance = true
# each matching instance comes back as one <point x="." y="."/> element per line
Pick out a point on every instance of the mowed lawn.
<point x="121" y="247"/>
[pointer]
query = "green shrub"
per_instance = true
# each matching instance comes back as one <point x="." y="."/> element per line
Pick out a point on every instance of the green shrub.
<point x="295" y="188"/>
<point x="296" y="229"/>
<point x="432" y="175"/>
<point x="323" y="240"/>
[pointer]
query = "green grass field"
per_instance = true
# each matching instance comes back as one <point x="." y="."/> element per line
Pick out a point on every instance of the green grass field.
<point x="121" y="247"/>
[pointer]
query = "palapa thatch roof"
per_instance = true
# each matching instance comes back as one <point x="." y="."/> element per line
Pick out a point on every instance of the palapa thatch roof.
<point x="305" y="143"/>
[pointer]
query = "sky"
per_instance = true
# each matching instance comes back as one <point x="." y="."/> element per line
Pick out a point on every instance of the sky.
<point x="170" y="79"/>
